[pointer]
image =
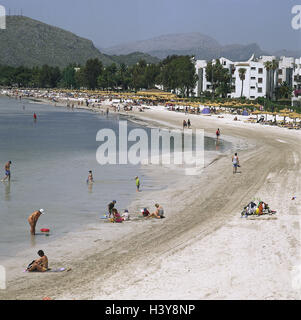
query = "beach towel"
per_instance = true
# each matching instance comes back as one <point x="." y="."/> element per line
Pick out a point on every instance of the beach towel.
<point x="49" y="270"/>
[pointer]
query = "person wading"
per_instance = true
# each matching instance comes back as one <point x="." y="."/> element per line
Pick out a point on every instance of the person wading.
<point x="33" y="219"/>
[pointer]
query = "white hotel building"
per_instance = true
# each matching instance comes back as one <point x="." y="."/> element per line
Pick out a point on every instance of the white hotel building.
<point x="255" y="83"/>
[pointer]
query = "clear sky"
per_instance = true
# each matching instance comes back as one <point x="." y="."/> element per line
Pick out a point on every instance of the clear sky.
<point x="110" y="22"/>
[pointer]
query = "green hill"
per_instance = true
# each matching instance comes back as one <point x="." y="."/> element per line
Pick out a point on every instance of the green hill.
<point x="30" y="43"/>
<point x="132" y="58"/>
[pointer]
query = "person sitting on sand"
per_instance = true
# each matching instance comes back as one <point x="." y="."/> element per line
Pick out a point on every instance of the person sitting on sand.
<point x="33" y="219"/>
<point x="145" y="212"/>
<point x="159" y="213"/>
<point x="116" y="215"/>
<point x="40" y="265"/>
<point x="125" y="216"/>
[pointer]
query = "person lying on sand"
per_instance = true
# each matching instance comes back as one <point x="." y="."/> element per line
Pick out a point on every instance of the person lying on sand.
<point x="40" y="265"/>
<point x="33" y="219"/>
<point x="159" y="213"/>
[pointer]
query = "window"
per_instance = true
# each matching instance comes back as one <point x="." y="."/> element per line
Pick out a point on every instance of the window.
<point x="259" y="80"/>
<point x="252" y="97"/>
<point x="260" y="70"/>
<point x="279" y="80"/>
<point x="253" y="78"/>
<point x="253" y="68"/>
<point x="252" y="87"/>
<point x="280" y="71"/>
<point x="259" y="90"/>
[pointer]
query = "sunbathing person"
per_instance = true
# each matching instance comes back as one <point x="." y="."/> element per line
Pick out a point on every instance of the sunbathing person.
<point x="40" y="265"/>
<point x="159" y="213"/>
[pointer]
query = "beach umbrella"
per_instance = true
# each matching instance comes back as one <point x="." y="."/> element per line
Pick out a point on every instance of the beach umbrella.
<point x="295" y="116"/>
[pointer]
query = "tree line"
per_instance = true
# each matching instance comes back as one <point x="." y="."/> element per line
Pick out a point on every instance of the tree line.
<point x="175" y="73"/>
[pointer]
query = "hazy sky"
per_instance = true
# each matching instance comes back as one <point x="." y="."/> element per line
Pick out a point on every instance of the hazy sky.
<point x="110" y="22"/>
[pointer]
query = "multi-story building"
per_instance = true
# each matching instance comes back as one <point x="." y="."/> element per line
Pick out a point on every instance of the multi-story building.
<point x="296" y="100"/>
<point x="285" y="71"/>
<point x="254" y="83"/>
<point x="203" y="84"/>
<point x="258" y="81"/>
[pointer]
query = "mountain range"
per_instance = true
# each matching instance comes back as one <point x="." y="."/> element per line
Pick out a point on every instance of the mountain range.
<point x="199" y="45"/>
<point x="30" y="43"/>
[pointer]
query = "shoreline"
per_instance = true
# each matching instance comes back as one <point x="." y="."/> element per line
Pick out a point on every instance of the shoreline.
<point x="172" y="248"/>
<point x="90" y="232"/>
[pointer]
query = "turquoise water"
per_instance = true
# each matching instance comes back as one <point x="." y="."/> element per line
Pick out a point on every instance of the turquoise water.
<point x="50" y="162"/>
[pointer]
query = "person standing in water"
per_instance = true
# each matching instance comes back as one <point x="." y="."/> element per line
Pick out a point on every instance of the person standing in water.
<point x="137" y="183"/>
<point x="218" y="133"/>
<point x="90" y="177"/>
<point x="34" y="117"/>
<point x="111" y="205"/>
<point x="33" y="219"/>
<point x="235" y="162"/>
<point x="7" y="171"/>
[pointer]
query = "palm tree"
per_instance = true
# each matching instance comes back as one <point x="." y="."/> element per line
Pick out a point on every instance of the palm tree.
<point x="275" y="66"/>
<point x="268" y="65"/>
<point x="242" y="77"/>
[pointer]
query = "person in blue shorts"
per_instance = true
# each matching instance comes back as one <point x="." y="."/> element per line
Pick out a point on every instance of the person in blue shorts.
<point x="7" y="171"/>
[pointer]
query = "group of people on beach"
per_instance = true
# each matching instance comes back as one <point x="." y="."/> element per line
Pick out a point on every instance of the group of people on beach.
<point x="186" y="124"/>
<point x="115" y="216"/>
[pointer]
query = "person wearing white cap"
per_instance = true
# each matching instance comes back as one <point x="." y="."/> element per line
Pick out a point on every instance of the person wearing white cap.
<point x="33" y="219"/>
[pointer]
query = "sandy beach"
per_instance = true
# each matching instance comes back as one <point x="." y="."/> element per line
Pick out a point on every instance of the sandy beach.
<point x="203" y="249"/>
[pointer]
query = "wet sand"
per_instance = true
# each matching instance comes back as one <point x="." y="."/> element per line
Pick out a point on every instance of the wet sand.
<point x="203" y="249"/>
